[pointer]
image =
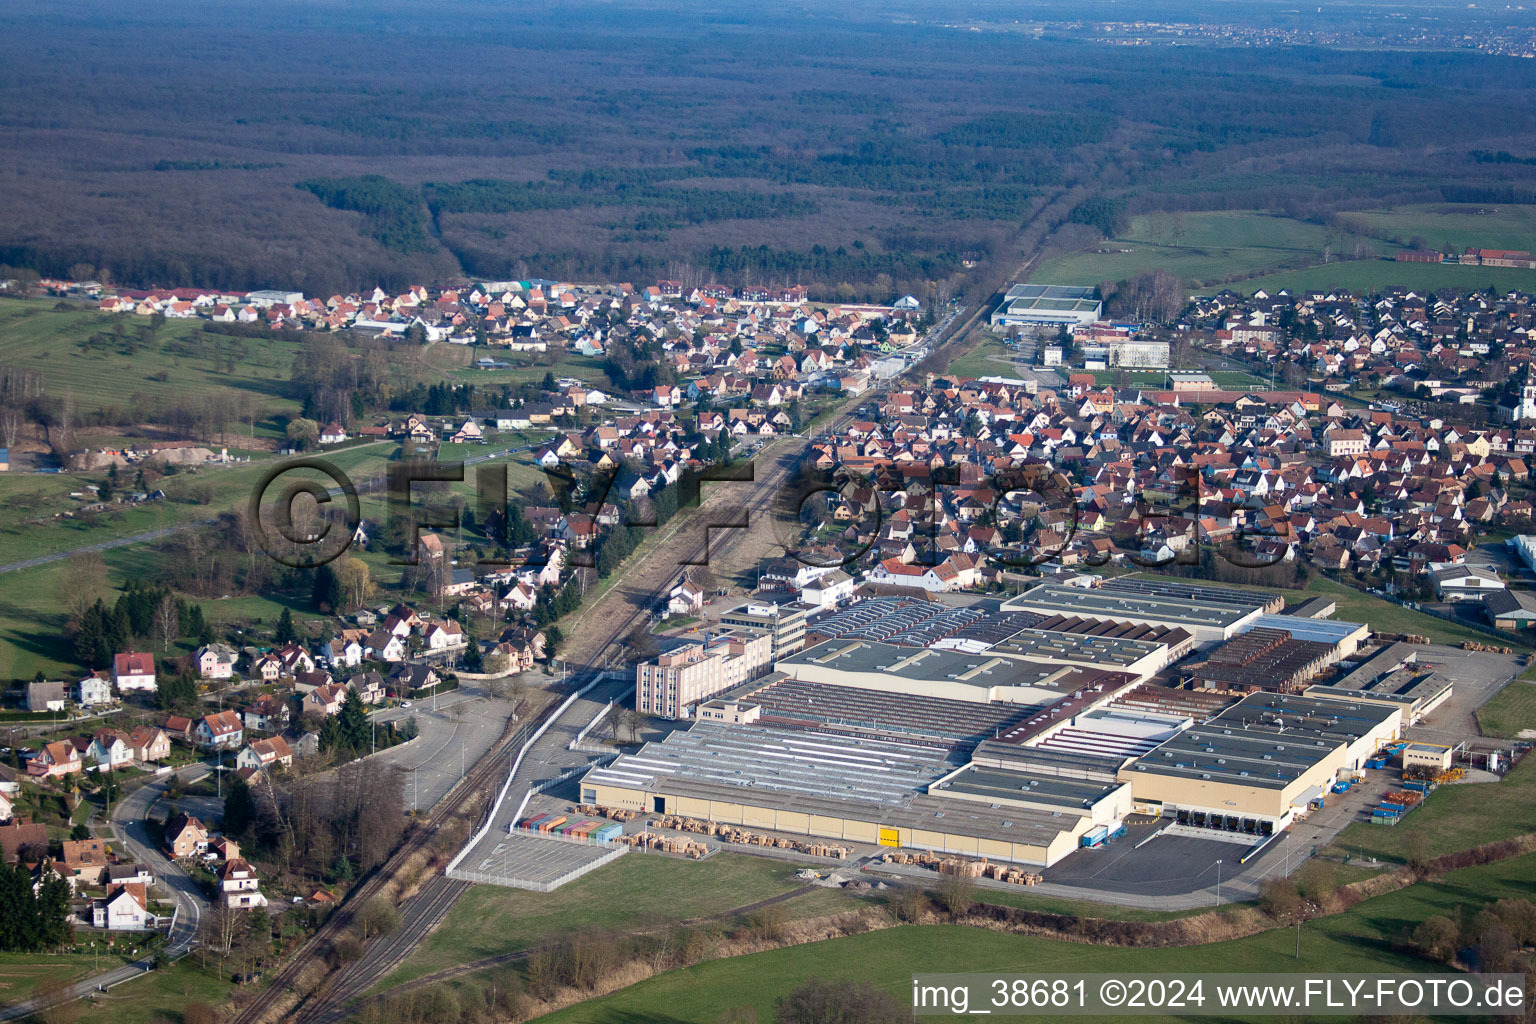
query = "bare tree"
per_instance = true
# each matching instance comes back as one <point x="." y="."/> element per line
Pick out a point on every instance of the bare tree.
<point x="57" y="1003"/>
<point x="167" y="623"/>
<point x="10" y="424"/>
<point x="84" y="582"/>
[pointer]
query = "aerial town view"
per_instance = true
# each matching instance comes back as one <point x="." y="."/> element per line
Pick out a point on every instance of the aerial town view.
<point x="655" y="512"/>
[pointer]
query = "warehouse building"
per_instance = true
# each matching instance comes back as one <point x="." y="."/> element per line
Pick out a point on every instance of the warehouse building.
<point x="1047" y="305"/>
<point x="956" y="725"/>
<point x="1344" y="637"/>
<point x="1392" y="677"/>
<point x="1208" y="617"/>
<point x="1252" y="767"/>
<point x="849" y="789"/>
<point x="1261" y="659"/>
<point x="1137" y="658"/>
<point x="925" y="672"/>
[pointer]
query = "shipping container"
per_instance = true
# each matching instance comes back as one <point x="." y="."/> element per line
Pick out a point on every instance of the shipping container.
<point x="551" y="822"/>
<point x="1095" y="836"/>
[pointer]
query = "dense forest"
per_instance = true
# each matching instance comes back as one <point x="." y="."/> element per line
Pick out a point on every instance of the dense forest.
<point x="854" y="149"/>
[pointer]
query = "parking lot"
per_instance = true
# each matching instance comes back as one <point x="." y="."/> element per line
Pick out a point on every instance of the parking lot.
<point x="1477" y="676"/>
<point x="534" y="862"/>
<point x="451" y="739"/>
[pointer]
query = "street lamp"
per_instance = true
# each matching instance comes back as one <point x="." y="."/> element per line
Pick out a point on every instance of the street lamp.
<point x="1218" y="883"/>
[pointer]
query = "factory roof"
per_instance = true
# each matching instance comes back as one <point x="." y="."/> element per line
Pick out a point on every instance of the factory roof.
<point x="1118" y="604"/>
<point x="980" y="670"/>
<point x="1000" y="785"/>
<point x="1107" y="651"/>
<point x="1266" y="740"/>
<point x="821" y="774"/>
<point x="1326" y="631"/>
<point x="1047" y="760"/>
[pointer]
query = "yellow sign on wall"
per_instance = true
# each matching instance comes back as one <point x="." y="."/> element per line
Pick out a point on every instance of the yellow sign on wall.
<point x="889" y="836"/>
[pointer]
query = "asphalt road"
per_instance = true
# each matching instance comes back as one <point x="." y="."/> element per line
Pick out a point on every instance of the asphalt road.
<point x="135" y="837"/>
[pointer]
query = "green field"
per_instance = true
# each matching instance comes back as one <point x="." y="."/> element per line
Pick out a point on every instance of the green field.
<point x="526" y="366"/>
<point x="978" y="361"/>
<point x="1387" y="617"/>
<point x="35" y="336"/>
<point x="657" y="890"/>
<point x="1512" y="710"/>
<point x="1203" y="249"/>
<point x="1452" y="227"/>
<point x="1374" y="275"/>
<point x="1452" y="818"/>
<point x="1363" y="939"/>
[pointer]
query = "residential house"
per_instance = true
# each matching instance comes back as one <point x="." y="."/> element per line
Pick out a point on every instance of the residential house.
<point x="179" y="727"/>
<point x="134" y="671"/>
<point x="85" y="861"/>
<point x="267" y="713"/>
<point x="93" y="690"/>
<point x="216" y="661"/>
<point x="125" y="908"/>
<point x="149" y="744"/>
<point x="110" y="749"/>
<point x="23" y="837"/>
<point x="407" y="679"/>
<point x="263" y="753"/>
<point x="445" y="634"/>
<point x="342" y="652"/>
<point x="324" y="700"/>
<point x="45" y="696"/>
<point x="185" y="836"/>
<point x="239" y="886"/>
<point x="55" y="760"/>
<point x="369" y="687"/>
<point x="221" y="730"/>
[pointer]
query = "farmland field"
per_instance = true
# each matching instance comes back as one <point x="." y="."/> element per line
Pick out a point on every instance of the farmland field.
<point x="1373" y="275"/>
<point x="177" y="365"/>
<point x="1452" y="227"/>
<point x="1203" y="249"/>
<point x="1363" y="939"/>
<point x="659" y="891"/>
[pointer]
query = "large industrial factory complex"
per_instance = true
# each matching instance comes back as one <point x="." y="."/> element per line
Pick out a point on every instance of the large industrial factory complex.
<point x="1017" y="730"/>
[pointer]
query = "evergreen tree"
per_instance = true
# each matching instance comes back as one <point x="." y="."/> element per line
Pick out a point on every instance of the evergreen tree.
<point x="20" y="922"/>
<point x="326" y="592"/>
<point x="53" y="917"/>
<point x="353" y="722"/>
<point x="285" y="631"/>
<point x="330" y="734"/>
<point x="238" y="808"/>
<point x="474" y="661"/>
<point x="119" y="628"/>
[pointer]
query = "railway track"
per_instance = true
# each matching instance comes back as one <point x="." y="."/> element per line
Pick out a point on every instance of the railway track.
<point x="320" y="943"/>
<point x="432" y="903"/>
